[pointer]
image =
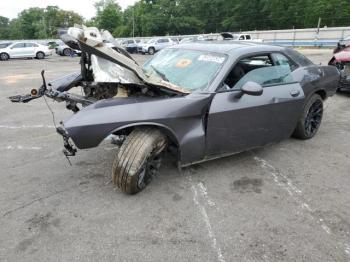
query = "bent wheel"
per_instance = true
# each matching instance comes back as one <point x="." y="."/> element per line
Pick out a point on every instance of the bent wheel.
<point x="138" y="159"/>
<point x="311" y="118"/>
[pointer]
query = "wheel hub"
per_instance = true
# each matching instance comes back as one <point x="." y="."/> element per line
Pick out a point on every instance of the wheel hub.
<point x="313" y="118"/>
<point x="149" y="171"/>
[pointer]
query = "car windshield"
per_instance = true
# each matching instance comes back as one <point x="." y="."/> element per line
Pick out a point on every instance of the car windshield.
<point x="4" y="45"/>
<point x="189" y="69"/>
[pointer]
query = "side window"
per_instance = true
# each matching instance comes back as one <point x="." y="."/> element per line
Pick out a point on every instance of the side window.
<point x="282" y="60"/>
<point x="19" y="45"/>
<point x="31" y="45"/>
<point x="259" y="69"/>
<point x="247" y="37"/>
<point x="163" y="40"/>
<point x="130" y="41"/>
<point x="241" y="37"/>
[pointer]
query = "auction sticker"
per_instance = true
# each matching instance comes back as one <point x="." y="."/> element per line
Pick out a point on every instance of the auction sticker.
<point x="211" y="58"/>
<point x="182" y="63"/>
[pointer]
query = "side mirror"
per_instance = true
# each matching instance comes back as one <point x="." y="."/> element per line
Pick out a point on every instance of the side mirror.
<point x="252" y="88"/>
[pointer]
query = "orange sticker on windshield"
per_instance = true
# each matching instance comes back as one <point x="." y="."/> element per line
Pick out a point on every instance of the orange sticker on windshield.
<point x="183" y="63"/>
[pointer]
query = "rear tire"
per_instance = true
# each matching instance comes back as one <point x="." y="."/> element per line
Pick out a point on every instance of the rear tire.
<point x="40" y="55"/>
<point x="4" y="57"/>
<point x="311" y="118"/>
<point x="138" y="159"/>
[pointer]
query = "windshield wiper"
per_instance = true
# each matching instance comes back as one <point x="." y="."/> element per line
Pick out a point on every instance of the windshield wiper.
<point x="161" y="74"/>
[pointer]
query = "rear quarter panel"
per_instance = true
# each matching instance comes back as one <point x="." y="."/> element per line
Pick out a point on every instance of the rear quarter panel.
<point x="316" y="78"/>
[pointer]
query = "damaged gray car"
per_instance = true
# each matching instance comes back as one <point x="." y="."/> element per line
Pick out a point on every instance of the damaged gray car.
<point x="198" y="101"/>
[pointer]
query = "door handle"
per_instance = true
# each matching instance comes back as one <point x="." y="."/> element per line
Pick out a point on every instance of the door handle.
<point x="294" y="93"/>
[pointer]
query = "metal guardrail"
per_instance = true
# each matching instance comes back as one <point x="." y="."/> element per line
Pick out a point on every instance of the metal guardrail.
<point x="323" y="37"/>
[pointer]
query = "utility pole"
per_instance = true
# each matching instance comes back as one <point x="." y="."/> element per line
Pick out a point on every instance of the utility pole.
<point x="133" y="21"/>
<point x="318" y="25"/>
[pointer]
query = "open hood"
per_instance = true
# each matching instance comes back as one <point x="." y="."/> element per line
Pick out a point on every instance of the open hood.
<point x="110" y="63"/>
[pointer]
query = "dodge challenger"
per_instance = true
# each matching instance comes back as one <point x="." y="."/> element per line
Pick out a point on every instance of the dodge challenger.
<point x="200" y="101"/>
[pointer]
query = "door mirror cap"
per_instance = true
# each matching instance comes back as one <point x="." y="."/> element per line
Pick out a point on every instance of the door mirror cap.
<point x="252" y="88"/>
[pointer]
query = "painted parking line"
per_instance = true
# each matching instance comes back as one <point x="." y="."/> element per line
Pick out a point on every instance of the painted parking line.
<point x="19" y="147"/>
<point x="201" y="200"/>
<point x="25" y="126"/>
<point x="285" y="183"/>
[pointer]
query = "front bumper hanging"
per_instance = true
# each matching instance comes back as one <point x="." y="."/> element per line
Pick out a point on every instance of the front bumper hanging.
<point x="69" y="148"/>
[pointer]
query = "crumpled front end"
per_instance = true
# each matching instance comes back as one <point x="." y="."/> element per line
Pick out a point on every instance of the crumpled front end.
<point x="342" y="61"/>
<point x="108" y="73"/>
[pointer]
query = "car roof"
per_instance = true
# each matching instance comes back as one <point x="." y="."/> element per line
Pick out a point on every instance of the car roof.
<point x="228" y="46"/>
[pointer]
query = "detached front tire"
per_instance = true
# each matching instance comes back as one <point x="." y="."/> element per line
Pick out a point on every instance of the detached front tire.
<point x="138" y="159"/>
<point x="311" y="118"/>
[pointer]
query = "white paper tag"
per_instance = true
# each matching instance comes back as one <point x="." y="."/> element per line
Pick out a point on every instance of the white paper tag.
<point x="211" y="58"/>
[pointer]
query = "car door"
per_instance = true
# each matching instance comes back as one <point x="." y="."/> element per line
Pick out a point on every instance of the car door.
<point x="162" y="43"/>
<point x="30" y="49"/>
<point x="239" y="122"/>
<point x="17" y="50"/>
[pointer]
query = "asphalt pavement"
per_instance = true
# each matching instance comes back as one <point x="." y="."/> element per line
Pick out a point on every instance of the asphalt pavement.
<point x="285" y="202"/>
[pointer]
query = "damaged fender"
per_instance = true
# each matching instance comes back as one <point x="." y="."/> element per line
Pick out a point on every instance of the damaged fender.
<point x="181" y="119"/>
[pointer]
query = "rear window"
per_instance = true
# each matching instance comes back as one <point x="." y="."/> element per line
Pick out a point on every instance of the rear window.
<point x="4" y="45"/>
<point x="298" y="57"/>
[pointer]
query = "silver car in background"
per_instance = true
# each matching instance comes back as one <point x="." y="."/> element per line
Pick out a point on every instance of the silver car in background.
<point x="64" y="50"/>
<point x="23" y="50"/>
<point x="155" y="45"/>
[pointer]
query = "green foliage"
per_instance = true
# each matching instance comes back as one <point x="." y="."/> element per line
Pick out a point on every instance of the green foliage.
<point x="4" y="27"/>
<point x="172" y="17"/>
<point x="109" y="15"/>
<point x="38" y="23"/>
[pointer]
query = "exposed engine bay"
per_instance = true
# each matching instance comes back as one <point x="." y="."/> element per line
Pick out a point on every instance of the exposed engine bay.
<point x="107" y="71"/>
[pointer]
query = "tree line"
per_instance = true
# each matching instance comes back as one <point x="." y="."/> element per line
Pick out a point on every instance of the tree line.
<point x="176" y="17"/>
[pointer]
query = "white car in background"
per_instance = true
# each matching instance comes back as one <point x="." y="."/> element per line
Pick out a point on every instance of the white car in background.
<point x="23" y="50"/>
<point x="64" y="50"/>
<point x="155" y="45"/>
<point x="239" y="37"/>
